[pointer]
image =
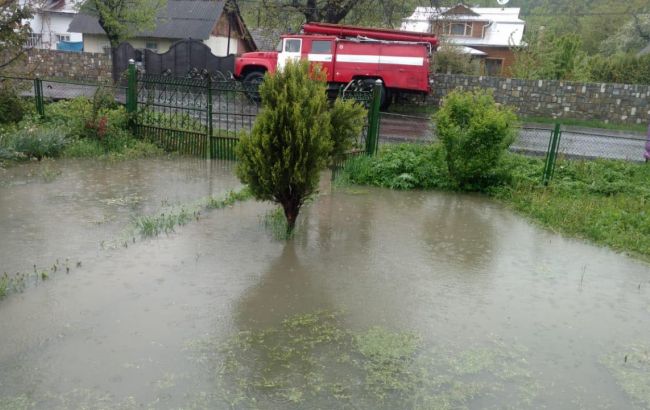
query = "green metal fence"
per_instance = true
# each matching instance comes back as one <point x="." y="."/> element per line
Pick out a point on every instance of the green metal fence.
<point x="205" y="117"/>
<point x="197" y="116"/>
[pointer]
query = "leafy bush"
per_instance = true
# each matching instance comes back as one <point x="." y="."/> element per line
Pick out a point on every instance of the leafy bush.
<point x="449" y="59"/>
<point x="620" y="68"/>
<point x="11" y="107"/>
<point x="347" y="119"/>
<point x="401" y="166"/>
<point x="39" y="142"/>
<point x="475" y="132"/>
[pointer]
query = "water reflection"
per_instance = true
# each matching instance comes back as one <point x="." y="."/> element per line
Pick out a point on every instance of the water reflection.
<point x="287" y="286"/>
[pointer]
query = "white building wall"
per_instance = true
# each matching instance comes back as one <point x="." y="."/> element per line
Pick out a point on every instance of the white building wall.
<point x="219" y="45"/>
<point x="95" y="43"/>
<point x="49" y="24"/>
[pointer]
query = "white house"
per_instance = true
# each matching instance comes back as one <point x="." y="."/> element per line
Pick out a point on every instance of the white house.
<point x="50" y="24"/>
<point x="486" y="32"/>
<point x="218" y="24"/>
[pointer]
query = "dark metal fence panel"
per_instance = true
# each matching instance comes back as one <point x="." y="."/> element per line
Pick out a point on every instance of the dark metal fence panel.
<point x="187" y="56"/>
<point x="121" y="57"/>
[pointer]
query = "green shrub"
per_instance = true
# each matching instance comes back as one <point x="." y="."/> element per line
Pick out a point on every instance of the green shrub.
<point x="620" y="68"/>
<point x="475" y="132"/>
<point x="347" y="119"/>
<point x="11" y="107"/>
<point x="71" y="114"/>
<point x="401" y="166"/>
<point x="38" y="142"/>
<point x="291" y="141"/>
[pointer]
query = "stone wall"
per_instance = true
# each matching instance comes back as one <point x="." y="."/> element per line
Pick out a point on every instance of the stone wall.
<point x="621" y="103"/>
<point x="71" y="66"/>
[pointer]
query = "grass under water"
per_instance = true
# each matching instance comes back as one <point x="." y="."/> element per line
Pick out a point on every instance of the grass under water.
<point x="313" y="361"/>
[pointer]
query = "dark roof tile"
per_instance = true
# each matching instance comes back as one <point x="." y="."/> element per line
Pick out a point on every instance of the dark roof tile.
<point x="181" y="19"/>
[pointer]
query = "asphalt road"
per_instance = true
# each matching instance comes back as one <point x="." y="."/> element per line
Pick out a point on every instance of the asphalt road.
<point x="532" y="139"/>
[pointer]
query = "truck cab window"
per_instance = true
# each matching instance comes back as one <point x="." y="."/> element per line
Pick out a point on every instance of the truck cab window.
<point x="321" y="47"/>
<point x="292" y="45"/>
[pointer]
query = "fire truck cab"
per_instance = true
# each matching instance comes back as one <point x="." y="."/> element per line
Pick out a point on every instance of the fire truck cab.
<point x="399" y="59"/>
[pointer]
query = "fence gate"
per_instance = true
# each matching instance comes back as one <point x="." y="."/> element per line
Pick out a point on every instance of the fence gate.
<point x="204" y="116"/>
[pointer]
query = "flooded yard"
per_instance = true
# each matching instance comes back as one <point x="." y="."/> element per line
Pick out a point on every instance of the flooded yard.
<point x="382" y="300"/>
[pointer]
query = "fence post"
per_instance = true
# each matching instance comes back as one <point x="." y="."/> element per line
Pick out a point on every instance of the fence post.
<point x="209" y="117"/>
<point x="372" y="139"/>
<point x="551" y="154"/>
<point x="132" y="94"/>
<point x="38" y="97"/>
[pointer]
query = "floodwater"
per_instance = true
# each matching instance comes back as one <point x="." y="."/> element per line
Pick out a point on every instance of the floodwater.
<point x="382" y="299"/>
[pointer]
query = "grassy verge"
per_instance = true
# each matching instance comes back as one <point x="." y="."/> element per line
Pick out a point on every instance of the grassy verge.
<point x="587" y="123"/>
<point x="607" y="202"/>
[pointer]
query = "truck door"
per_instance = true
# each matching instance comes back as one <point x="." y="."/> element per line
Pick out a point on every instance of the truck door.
<point x="321" y="53"/>
<point x="291" y="49"/>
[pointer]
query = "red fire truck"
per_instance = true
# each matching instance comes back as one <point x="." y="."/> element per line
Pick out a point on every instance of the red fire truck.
<point x="349" y="53"/>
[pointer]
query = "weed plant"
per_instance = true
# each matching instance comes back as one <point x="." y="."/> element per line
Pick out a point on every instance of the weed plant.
<point x="275" y="222"/>
<point x="150" y="226"/>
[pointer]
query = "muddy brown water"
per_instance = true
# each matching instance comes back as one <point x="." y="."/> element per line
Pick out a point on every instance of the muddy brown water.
<point x="480" y="287"/>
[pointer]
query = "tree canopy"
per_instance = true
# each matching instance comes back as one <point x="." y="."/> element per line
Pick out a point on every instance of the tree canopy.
<point x="121" y="19"/>
<point x="14" y="32"/>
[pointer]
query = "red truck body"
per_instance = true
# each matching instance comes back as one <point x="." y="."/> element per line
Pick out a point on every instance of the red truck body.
<point x="400" y="59"/>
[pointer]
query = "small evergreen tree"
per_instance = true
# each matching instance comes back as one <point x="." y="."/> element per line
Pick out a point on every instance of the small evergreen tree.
<point x="291" y="141"/>
<point x="475" y="132"/>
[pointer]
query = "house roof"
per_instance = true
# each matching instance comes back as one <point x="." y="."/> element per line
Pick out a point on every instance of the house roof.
<point x="505" y="28"/>
<point x="266" y="39"/>
<point x="180" y="19"/>
<point x="60" y="6"/>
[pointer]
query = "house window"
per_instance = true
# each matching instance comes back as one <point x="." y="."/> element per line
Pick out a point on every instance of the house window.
<point x="457" y="29"/>
<point x="62" y="37"/>
<point x="493" y="66"/>
<point x="34" y="40"/>
<point x="151" y="45"/>
<point x="321" y="47"/>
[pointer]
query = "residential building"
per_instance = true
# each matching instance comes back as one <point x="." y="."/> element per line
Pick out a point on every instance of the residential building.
<point x="217" y="25"/>
<point x="488" y="33"/>
<point x="50" y="24"/>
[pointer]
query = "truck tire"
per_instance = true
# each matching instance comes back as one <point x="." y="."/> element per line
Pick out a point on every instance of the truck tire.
<point x="254" y="79"/>
<point x="384" y="97"/>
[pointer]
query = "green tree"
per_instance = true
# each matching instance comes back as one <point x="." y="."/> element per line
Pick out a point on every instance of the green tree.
<point x="547" y="56"/>
<point x="294" y="138"/>
<point x="14" y="32"/>
<point x="121" y="19"/>
<point x="475" y="132"/>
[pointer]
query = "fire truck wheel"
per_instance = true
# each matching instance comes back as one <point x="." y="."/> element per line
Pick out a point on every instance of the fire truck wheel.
<point x="384" y="96"/>
<point x="254" y="77"/>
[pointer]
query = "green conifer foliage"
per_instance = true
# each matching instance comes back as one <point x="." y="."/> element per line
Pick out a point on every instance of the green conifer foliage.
<point x="290" y="143"/>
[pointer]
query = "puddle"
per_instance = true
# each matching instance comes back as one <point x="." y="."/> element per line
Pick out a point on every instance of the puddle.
<point x="381" y="300"/>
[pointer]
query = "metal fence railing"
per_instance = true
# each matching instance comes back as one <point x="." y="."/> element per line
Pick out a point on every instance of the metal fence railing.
<point x="234" y="107"/>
